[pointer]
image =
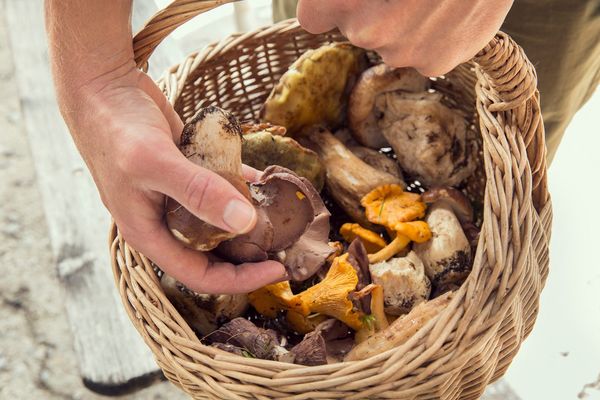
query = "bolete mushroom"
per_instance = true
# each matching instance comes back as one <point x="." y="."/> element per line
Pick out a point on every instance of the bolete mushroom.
<point x="459" y="204"/>
<point x="251" y="340"/>
<point x="212" y="139"/>
<point x="374" y="158"/>
<point x="431" y="141"/>
<point x="363" y="119"/>
<point x="204" y="312"/>
<point x="262" y="149"/>
<point x="404" y="282"/>
<point x="315" y="87"/>
<point x="348" y="178"/>
<point x="447" y="256"/>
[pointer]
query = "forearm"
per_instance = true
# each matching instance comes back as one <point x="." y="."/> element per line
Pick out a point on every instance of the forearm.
<point x="89" y="45"/>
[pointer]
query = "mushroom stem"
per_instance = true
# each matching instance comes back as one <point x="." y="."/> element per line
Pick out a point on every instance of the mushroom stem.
<point x="348" y="178"/>
<point x="389" y="251"/>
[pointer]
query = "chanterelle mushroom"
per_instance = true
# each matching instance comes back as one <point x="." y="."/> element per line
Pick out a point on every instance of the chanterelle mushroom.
<point x="315" y="87"/>
<point x="404" y="282"/>
<point x="204" y="312"/>
<point x="287" y="205"/>
<point x="447" y="256"/>
<point x="362" y="118"/>
<point x="348" y="178"/>
<point x="261" y="149"/>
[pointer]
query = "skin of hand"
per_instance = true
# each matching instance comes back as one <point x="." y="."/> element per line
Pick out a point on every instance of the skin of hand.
<point x="432" y="36"/>
<point x="126" y="131"/>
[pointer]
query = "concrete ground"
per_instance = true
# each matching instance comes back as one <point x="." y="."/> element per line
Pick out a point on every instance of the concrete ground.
<point x="37" y="360"/>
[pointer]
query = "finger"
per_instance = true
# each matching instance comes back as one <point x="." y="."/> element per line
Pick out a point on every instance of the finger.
<point x="202" y="192"/>
<point x="250" y="174"/>
<point x="174" y="121"/>
<point x="317" y="16"/>
<point x="193" y="268"/>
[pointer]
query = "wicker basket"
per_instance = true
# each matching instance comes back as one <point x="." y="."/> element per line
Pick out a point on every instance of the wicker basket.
<point x="469" y="344"/>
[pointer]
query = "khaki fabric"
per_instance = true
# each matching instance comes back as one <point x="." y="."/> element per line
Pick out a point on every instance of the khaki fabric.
<point x="562" y="40"/>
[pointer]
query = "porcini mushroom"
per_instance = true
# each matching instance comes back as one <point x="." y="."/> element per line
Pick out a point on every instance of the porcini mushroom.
<point x="374" y="158"/>
<point x="315" y="87"/>
<point x="447" y="256"/>
<point x="404" y="282"/>
<point x="432" y="142"/>
<point x="252" y="340"/>
<point x="204" y="312"/>
<point x="362" y="118"/>
<point x="459" y="204"/>
<point x="348" y="178"/>
<point x="212" y="140"/>
<point x="262" y="149"/>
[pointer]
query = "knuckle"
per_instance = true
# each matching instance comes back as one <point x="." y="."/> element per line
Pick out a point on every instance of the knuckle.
<point x="196" y="189"/>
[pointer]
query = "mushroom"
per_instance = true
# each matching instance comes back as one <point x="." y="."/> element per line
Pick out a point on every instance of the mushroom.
<point x="447" y="256"/>
<point x="348" y="178"/>
<point x="261" y="149"/>
<point x="363" y="120"/>
<point x="389" y="204"/>
<point x="395" y="209"/>
<point x="204" y="312"/>
<point x="431" y="141"/>
<point x="328" y="297"/>
<point x="401" y="330"/>
<point x="248" y="128"/>
<point x="376" y="320"/>
<point x="374" y="158"/>
<point x="251" y="340"/>
<point x="315" y="87"/>
<point x="404" y="282"/>
<point x="459" y="204"/>
<point x="212" y="140"/>
<point x="371" y="240"/>
<point x="310" y="252"/>
<point x="311" y="350"/>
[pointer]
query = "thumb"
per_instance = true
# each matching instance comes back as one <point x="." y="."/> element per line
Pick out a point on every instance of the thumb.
<point x="204" y="193"/>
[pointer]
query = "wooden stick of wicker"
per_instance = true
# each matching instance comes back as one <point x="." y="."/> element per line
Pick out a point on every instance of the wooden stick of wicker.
<point x="472" y="341"/>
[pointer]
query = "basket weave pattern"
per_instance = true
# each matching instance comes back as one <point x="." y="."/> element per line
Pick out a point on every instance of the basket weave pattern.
<point x="466" y="346"/>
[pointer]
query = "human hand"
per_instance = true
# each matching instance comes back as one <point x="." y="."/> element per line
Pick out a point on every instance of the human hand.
<point x="126" y="131"/>
<point x="433" y="36"/>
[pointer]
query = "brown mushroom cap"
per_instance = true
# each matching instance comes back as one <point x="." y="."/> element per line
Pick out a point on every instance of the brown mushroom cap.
<point x="374" y="81"/>
<point x="455" y="199"/>
<point x="305" y="257"/>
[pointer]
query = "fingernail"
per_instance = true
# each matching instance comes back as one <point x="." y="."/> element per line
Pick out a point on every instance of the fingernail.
<point x="239" y="216"/>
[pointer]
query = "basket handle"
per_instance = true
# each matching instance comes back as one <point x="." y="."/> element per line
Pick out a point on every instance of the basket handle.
<point x="507" y="94"/>
<point x="166" y="21"/>
<point x="507" y="82"/>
